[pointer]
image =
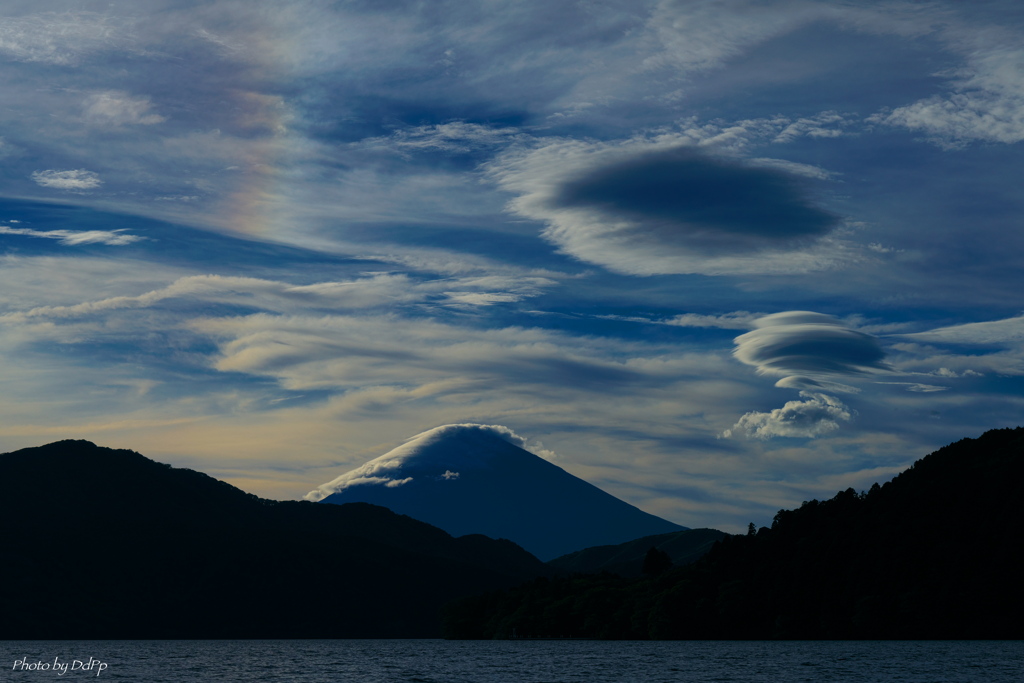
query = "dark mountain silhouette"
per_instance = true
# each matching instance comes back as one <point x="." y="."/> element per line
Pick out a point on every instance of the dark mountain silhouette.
<point x="627" y="559"/>
<point x="933" y="554"/>
<point x="477" y="479"/>
<point x="101" y="543"/>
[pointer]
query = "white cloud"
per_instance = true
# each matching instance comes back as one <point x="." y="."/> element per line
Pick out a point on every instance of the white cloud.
<point x="1002" y="332"/>
<point x="115" y="107"/>
<point x="808" y="351"/>
<point x="817" y="414"/>
<point x="827" y="124"/>
<point x="919" y="388"/>
<point x="366" y="344"/>
<point x="815" y="385"/>
<point x="377" y="290"/>
<point x="702" y="36"/>
<point x="455" y="137"/>
<point x="305" y="352"/>
<point x="738" y="320"/>
<point x="388" y="468"/>
<point x="986" y="102"/>
<point x="481" y="298"/>
<point x="374" y="362"/>
<point x="116" y="238"/>
<point x="1000" y="352"/>
<point x="792" y="167"/>
<point x="28" y="282"/>
<point x="78" y="179"/>
<point x="62" y="38"/>
<point x="696" y="36"/>
<point x="265" y="294"/>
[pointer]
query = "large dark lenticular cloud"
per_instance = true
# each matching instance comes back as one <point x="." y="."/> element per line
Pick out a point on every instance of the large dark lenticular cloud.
<point x="682" y="198"/>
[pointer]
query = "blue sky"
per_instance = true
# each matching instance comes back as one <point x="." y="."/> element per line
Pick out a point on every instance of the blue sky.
<point x="715" y="257"/>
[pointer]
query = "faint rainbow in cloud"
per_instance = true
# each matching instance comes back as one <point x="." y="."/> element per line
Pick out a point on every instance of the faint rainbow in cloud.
<point x="255" y="205"/>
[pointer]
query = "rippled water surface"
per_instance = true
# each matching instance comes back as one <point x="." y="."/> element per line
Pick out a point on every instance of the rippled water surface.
<point x="423" y="661"/>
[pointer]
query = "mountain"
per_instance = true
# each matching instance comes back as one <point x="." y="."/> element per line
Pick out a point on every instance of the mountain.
<point x="933" y="554"/>
<point x="627" y="559"/>
<point x="478" y="479"/>
<point x="101" y="543"/>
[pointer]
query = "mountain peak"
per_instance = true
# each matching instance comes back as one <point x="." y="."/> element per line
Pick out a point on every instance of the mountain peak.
<point x="442" y="452"/>
<point x="479" y="479"/>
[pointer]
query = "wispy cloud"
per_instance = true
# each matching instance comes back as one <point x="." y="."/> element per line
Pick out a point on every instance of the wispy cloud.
<point x="115" y="107"/>
<point x="114" y="238"/>
<point x="371" y="292"/>
<point x="455" y="137"/>
<point x="738" y="320"/>
<point x="1005" y="331"/>
<point x="62" y="38"/>
<point x="78" y="179"/>
<point x="985" y="102"/>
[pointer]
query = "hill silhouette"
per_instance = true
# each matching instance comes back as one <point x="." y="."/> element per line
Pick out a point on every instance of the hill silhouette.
<point x="933" y="554"/>
<point x="470" y="478"/>
<point x="627" y="559"/>
<point x="102" y="543"/>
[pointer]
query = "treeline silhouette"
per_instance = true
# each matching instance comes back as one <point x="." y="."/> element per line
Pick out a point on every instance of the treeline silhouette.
<point x="630" y="558"/>
<point x="100" y="543"/>
<point x="933" y="554"/>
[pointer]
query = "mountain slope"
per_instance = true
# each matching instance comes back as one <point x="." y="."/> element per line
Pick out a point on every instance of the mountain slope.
<point x="627" y="559"/>
<point x="934" y="553"/>
<point x="102" y="543"/>
<point x="478" y="479"/>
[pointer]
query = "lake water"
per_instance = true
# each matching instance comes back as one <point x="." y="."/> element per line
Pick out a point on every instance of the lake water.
<point x="439" y="661"/>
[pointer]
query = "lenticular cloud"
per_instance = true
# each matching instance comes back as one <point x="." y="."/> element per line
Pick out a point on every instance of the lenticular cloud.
<point x="668" y="206"/>
<point x="804" y="343"/>
<point x="388" y="469"/>
<point x="807" y="350"/>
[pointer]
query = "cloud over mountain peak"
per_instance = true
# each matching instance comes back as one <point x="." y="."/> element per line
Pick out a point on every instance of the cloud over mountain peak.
<point x="465" y="446"/>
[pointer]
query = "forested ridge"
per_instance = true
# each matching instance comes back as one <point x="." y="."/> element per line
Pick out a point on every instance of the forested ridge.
<point x="102" y="543"/>
<point x="934" y="553"/>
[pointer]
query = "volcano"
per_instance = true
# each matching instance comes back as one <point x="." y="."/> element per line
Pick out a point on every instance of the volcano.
<point x="479" y="479"/>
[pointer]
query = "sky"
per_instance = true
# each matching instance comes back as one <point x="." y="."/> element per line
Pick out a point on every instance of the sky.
<point x="716" y="258"/>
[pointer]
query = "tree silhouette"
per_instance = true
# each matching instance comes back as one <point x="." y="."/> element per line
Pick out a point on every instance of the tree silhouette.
<point x="656" y="562"/>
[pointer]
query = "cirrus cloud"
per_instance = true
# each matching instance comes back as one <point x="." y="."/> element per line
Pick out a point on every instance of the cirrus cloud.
<point x="63" y="38"/>
<point x="114" y="238"/>
<point x="114" y="107"/>
<point x="986" y="95"/>
<point x="77" y="179"/>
